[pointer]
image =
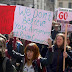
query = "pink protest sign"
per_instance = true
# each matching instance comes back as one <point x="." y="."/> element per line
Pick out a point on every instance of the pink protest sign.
<point x="68" y="29"/>
<point x="32" y="24"/>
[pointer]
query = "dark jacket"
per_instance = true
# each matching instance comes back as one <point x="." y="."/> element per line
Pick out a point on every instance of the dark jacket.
<point x="53" y="34"/>
<point x="9" y="67"/>
<point x="43" y="61"/>
<point x="18" y="48"/>
<point x="57" y="63"/>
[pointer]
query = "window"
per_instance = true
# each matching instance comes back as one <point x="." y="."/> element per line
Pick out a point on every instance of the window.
<point x="52" y="0"/>
<point x="14" y="3"/>
<point x="70" y="5"/>
<point x="60" y="4"/>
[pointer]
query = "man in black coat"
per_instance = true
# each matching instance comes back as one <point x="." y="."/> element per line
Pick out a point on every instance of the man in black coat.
<point x="55" y="31"/>
<point x="8" y="67"/>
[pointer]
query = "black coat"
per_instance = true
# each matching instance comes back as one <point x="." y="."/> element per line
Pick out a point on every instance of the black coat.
<point x="53" y="34"/>
<point x="9" y="67"/>
<point x="57" y="62"/>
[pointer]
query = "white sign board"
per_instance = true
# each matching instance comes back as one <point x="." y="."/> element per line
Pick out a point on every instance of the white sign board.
<point x="32" y="24"/>
<point x="64" y="14"/>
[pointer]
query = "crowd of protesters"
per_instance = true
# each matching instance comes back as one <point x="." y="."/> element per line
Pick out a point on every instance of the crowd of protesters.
<point x="35" y="57"/>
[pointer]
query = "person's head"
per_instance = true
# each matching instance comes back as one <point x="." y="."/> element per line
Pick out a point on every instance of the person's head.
<point x="68" y="40"/>
<point x="2" y="45"/>
<point x="59" y="40"/>
<point x="56" y="27"/>
<point x="31" y="51"/>
<point x="53" y="23"/>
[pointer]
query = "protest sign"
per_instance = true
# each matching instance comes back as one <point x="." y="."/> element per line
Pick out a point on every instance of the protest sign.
<point x="68" y="29"/>
<point x="32" y="24"/>
<point x="6" y="19"/>
<point x="64" y="14"/>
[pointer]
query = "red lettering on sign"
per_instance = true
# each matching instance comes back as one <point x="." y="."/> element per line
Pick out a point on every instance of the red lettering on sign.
<point x="63" y="15"/>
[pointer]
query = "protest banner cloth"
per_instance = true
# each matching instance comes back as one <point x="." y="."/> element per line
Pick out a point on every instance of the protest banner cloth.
<point x="64" y="16"/>
<point x="32" y="24"/>
<point x="6" y="19"/>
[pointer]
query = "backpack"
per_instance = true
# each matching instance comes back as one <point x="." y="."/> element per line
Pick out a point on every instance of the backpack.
<point x="42" y="69"/>
<point x="4" y="65"/>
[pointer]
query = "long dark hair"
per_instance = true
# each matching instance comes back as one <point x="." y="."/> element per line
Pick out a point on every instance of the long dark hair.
<point x="63" y="36"/>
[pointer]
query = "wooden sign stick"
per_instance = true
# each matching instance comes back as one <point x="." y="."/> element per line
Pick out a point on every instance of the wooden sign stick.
<point x="65" y="47"/>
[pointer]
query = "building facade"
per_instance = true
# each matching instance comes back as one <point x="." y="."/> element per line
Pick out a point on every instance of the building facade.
<point x="63" y="4"/>
<point x="38" y="4"/>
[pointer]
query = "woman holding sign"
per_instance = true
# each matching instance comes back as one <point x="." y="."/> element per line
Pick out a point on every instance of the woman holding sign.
<point x="31" y="60"/>
<point x="58" y="48"/>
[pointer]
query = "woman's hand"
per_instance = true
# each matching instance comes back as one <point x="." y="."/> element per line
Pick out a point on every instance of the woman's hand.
<point x="11" y="35"/>
<point x="65" y="54"/>
<point x="49" y="42"/>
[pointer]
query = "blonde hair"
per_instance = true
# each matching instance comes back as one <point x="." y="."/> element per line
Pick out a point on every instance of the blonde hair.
<point x="2" y="36"/>
<point x="3" y="43"/>
<point x="2" y="46"/>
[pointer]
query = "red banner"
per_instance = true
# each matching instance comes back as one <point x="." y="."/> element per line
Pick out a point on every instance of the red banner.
<point x="6" y="19"/>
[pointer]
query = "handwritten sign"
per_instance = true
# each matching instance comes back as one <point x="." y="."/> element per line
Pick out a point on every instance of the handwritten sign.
<point x="6" y="19"/>
<point x="68" y="29"/>
<point x="32" y="24"/>
<point x="64" y="14"/>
